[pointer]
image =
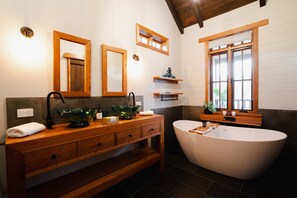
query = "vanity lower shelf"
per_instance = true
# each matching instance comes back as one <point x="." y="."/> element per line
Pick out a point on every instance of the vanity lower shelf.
<point x="98" y="177"/>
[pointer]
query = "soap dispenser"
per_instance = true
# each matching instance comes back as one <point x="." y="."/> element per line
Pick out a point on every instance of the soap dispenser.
<point x="99" y="113"/>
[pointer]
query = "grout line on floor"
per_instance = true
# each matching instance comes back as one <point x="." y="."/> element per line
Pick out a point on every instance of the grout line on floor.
<point x="176" y="187"/>
<point x="208" y="187"/>
<point x="132" y="194"/>
<point x="241" y="187"/>
<point x="159" y="189"/>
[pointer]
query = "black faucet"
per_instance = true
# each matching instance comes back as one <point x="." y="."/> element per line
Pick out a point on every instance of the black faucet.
<point x="49" y="120"/>
<point x="133" y="98"/>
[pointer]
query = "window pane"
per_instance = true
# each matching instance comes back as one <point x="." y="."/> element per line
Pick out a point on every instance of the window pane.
<point x="237" y="101"/>
<point x="237" y="65"/>
<point x="215" y="94"/>
<point x="224" y="70"/>
<point x="247" y="41"/>
<point x="224" y="95"/>
<point x="247" y="64"/>
<point x="158" y="45"/>
<point x="215" y="68"/>
<point x="247" y="95"/>
<point x="144" y="40"/>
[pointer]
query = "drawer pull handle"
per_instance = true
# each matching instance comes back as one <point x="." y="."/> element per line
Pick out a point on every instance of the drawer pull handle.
<point x="99" y="144"/>
<point x="152" y="129"/>
<point x="53" y="156"/>
<point x="130" y="135"/>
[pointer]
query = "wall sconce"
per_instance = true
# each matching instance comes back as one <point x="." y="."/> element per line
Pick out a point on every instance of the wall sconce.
<point x="27" y="32"/>
<point x="135" y="57"/>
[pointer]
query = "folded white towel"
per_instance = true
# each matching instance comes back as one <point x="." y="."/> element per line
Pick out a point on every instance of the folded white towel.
<point x="25" y="129"/>
<point x="146" y="113"/>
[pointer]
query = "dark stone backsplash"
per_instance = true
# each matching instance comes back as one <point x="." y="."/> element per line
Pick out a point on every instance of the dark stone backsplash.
<point x="40" y="107"/>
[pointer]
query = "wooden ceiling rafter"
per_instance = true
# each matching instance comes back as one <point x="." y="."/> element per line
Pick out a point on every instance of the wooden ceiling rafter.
<point x="263" y="3"/>
<point x="175" y="16"/>
<point x="196" y="10"/>
<point x="190" y="12"/>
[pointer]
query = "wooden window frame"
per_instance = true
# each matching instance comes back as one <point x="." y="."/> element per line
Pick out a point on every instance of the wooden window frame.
<point x="229" y="50"/>
<point x="151" y="36"/>
<point x="254" y="46"/>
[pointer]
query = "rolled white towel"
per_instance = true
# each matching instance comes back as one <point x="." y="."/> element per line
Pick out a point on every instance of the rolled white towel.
<point x="146" y="113"/>
<point x="25" y="129"/>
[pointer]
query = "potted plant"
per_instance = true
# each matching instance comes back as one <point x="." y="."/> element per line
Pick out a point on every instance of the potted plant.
<point x="209" y="108"/>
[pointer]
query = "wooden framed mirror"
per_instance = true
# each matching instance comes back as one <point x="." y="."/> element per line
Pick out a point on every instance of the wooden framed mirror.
<point x="114" y="71"/>
<point x="72" y="65"/>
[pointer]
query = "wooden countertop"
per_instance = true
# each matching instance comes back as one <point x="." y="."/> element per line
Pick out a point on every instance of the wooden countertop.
<point x="62" y="131"/>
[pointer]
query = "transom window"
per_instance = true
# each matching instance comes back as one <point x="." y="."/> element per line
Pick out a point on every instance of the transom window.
<point x="149" y="39"/>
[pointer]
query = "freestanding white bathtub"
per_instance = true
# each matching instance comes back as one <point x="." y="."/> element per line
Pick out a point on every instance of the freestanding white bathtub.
<point x="238" y="152"/>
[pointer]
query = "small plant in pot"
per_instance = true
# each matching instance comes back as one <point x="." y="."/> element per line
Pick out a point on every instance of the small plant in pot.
<point x="209" y="108"/>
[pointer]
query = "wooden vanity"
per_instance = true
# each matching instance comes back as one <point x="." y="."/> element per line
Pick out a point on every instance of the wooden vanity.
<point x="62" y="146"/>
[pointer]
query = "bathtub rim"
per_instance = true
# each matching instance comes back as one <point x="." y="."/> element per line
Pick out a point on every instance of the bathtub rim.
<point x="283" y="136"/>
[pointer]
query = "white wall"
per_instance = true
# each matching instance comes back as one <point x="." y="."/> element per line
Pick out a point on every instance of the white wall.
<point x="277" y="53"/>
<point x="26" y="68"/>
<point x="26" y="65"/>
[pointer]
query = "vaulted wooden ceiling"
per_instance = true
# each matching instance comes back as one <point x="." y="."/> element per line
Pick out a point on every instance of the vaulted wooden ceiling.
<point x="190" y="12"/>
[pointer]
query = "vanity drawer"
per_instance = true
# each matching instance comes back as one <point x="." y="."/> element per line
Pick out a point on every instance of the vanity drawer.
<point x="95" y="144"/>
<point x="150" y="129"/>
<point x="128" y="135"/>
<point x="49" y="156"/>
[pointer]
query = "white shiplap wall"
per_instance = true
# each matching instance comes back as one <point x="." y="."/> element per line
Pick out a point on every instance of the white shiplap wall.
<point x="277" y="53"/>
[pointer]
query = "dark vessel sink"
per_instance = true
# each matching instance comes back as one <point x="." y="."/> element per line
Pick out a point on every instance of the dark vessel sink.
<point x="126" y="112"/>
<point x="78" y="117"/>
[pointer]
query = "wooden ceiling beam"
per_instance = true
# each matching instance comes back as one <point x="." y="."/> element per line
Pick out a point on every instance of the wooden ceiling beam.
<point x="196" y="9"/>
<point x="263" y="3"/>
<point x="175" y="16"/>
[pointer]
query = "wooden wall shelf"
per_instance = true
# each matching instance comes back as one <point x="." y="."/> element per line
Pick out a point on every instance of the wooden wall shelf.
<point x="51" y="149"/>
<point x="166" y="80"/>
<point x="242" y="119"/>
<point x="167" y="96"/>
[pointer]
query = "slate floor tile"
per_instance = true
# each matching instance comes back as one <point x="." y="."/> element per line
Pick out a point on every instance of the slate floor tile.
<point x="162" y="182"/>
<point x="228" y="181"/>
<point x="263" y="192"/>
<point x="185" y="191"/>
<point x="150" y="192"/>
<point x="221" y="191"/>
<point x="180" y="162"/>
<point x="193" y="180"/>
